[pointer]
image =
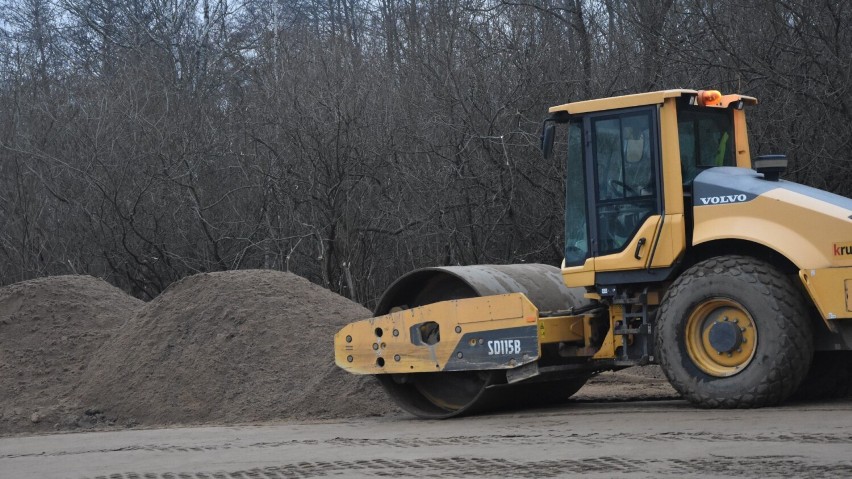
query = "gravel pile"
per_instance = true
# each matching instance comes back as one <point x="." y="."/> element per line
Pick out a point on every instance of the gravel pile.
<point x="231" y="347"/>
<point x="49" y="330"/>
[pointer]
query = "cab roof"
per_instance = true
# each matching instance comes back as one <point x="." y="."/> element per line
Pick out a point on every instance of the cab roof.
<point x="641" y="99"/>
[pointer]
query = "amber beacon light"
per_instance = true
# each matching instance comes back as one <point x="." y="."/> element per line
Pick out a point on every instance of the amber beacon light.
<point x="709" y="97"/>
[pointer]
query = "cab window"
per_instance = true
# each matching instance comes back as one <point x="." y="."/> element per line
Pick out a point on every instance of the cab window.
<point x="576" y="214"/>
<point x="625" y="156"/>
<point x="706" y="137"/>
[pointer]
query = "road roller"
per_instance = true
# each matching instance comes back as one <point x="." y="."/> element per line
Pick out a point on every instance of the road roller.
<point x="681" y="249"/>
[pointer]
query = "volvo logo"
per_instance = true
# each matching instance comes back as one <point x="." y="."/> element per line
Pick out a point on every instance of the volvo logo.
<point x="721" y="200"/>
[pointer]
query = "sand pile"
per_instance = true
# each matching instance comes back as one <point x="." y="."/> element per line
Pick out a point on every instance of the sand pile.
<point x="237" y="346"/>
<point x="49" y="329"/>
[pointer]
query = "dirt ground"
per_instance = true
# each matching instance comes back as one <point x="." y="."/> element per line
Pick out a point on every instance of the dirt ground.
<point x="579" y="439"/>
<point x="644" y="383"/>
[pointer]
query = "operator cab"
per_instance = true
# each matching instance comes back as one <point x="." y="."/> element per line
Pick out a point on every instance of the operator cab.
<point x="630" y="162"/>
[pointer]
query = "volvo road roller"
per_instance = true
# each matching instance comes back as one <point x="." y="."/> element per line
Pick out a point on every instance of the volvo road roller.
<point x="681" y="249"/>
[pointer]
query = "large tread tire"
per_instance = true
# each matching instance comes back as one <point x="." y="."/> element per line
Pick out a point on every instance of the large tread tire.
<point x="784" y="346"/>
<point x="830" y="377"/>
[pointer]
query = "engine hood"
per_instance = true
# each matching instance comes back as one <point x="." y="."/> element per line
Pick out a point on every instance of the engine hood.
<point x="811" y="227"/>
<point x="735" y="185"/>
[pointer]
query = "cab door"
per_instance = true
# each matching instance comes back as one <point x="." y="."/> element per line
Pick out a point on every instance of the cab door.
<point x="624" y="198"/>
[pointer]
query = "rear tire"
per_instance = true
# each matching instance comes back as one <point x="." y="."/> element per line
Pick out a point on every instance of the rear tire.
<point x="733" y="333"/>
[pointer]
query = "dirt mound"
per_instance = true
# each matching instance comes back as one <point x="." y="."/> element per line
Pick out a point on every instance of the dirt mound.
<point x="237" y="346"/>
<point x="49" y="329"/>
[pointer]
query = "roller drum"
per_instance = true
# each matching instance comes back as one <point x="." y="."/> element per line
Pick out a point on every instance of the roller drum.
<point x="448" y="394"/>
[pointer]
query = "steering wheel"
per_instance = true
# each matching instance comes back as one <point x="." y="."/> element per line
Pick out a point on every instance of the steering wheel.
<point x="625" y="188"/>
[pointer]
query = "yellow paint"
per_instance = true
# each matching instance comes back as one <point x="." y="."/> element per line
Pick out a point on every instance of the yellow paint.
<point x="672" y="244"/>
<point x="626" y="259"/>
<point x="625" y="101"/>
<point x="639" y="99"/>
<point x="829" y="288"/>
<point x="579" y="276"/>
<point x="670" y="154"/>
<point x="672" y="241"/>
<point x="559" y="329"/>
<point x="801" y="228"/>
<point x="486" y="309"/>
<point x="612" y="341"/>
<point x="473" y="315"/>
<point x="848" y="287"/>
<point x="743" y="153"/>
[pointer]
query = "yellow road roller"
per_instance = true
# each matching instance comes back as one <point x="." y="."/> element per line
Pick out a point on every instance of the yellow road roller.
<point x="681" y="249"/>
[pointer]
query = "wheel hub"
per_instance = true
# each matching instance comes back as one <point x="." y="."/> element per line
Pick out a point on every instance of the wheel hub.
<point x="725" y="336"/>
<point x="721" y="337"/>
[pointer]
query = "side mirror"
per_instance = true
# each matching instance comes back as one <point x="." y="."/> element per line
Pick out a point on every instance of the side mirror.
<point x="547" y="136"/>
